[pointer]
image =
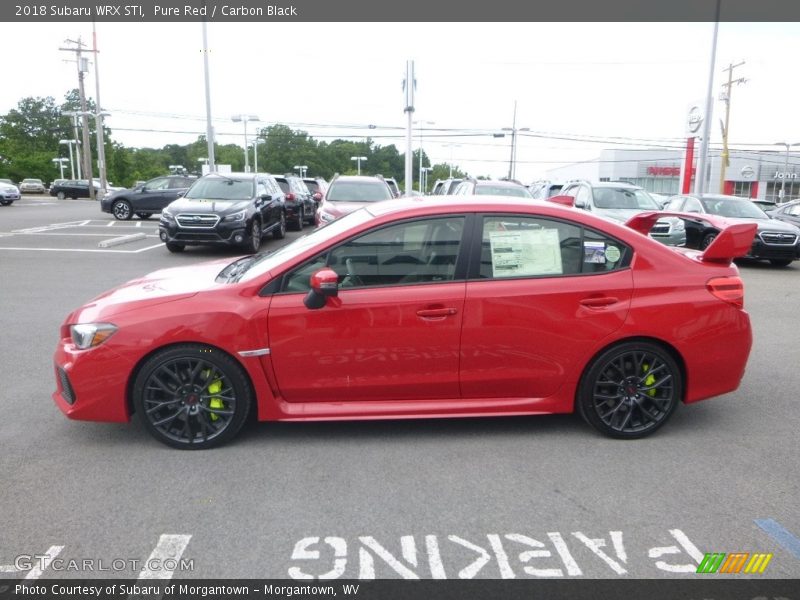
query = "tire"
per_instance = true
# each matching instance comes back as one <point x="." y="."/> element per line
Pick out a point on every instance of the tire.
<point x="174" y="248"/>
<point x="61" y="196"/>
<point x="254" y="241"/>
<point x="280" y="231"/>
<point x="122" y="211"/>
<point x="299" y="219"/>
<point x="144" y="216"/>
<point x="630" y="390"/>
<point x="6" y="202"/>
<point x="192" y="396"/>
<point x="781" y="262"/>
<point x="707" y="239"/>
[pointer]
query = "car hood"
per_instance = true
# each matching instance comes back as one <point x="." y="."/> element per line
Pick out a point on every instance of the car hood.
<point x="202" y="206"/>
<point x="158" y="287"/>
<point x="763" y="224"/>
<point x="343" y="208"/>
<point x="619" y="214"/>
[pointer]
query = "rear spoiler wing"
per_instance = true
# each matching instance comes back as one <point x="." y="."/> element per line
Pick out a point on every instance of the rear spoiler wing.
<point x="732" y="242"/>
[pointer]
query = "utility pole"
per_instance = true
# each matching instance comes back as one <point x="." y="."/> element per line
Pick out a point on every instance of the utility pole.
<point x="101" y="148"/>
<point x="87" y="151"/>
<point x="726" y="97"/>
<point x="700" y="179"/>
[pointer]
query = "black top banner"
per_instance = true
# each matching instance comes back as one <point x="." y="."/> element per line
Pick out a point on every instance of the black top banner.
<point x="228" y="11"/>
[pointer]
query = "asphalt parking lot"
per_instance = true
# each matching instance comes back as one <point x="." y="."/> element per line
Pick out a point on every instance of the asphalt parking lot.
<point x="469" y="498"/>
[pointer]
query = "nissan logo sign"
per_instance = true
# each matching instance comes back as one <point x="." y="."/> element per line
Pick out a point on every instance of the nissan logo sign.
<point x="694" y="119"/>
<point x="747" y="171"/>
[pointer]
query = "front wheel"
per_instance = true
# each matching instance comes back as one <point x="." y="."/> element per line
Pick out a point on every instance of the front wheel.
<point x="122" y="210"/>
<point x="61" y="195"/>
<point x="6" y="202"/>
<point x="709" y="237"/>
<point x="173" y="247"/>
<point x="780" y="262"/>
<point x="630" y="390"/>
<point x="192" y="396"/>
<point x="280" y="231"/>
<point x="254" y="243"/>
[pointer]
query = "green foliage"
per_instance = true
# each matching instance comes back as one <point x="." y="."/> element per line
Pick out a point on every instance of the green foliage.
<point x="30" y="134"/>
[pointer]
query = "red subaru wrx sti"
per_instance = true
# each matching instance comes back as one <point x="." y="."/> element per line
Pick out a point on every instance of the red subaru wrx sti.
<point x="412" y="308"/>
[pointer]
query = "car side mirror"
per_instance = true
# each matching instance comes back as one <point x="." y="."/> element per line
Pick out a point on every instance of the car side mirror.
<point x="317" y="196"/>
<point x="143" y="189"/>
<point x="324" y="284"/>
<point x="266" y="197"/>
<point x="581" y="203"/>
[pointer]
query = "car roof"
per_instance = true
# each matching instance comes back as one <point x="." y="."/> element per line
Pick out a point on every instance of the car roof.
<point x="356" y="178"/>
<point x="502" y="182"/>
<point x="616" y="184"/>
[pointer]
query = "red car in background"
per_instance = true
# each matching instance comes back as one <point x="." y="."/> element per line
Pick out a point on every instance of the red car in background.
<point x="410" y="308"/>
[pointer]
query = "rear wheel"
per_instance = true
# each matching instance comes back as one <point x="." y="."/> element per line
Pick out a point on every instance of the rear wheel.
<point x="781" y="262"/>
<point x="61" y="195"/>
<point x="173" y="247"/>
<point x="192" y="397"/>
<point x="630" y="390"/>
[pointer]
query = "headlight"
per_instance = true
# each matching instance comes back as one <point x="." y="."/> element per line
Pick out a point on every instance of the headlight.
<point x="89" y="335"/>
<point x="237" y="216"/>
<point x="167" y="216"/>
<point x="679" y="225"/>
<point x="326" y="217"/>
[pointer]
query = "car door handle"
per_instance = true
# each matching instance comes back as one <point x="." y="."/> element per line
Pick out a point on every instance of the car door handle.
<point x="600" y="302"/>
<point x="436" y="313"/>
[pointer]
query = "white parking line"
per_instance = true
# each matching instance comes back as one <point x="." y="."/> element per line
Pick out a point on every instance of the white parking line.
<point x="166" y="553"/>
<point x="51" y="227"/>
<point x="83" y="249"/>
<point x="110" y="224"/>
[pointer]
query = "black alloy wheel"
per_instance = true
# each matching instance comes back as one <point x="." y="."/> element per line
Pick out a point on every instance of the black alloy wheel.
<point x="280" y="231"/>
<point x="121" y="209"/>
<point x="707" y="239"/>
<point x="192" y="397"/>
<point x="299" y="218"/>
<point x="630" y="390"/>
<point x="254" y="243"/>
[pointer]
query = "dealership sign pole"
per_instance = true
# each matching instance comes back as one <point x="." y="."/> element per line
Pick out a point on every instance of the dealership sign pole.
<point x="694" y="120"/>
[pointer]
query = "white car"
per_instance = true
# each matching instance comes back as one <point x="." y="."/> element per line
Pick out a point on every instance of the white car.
<point x="31" y="186"/>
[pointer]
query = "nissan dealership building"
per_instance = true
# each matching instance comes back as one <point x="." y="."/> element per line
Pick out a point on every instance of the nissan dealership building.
<point x="758" y="175"/>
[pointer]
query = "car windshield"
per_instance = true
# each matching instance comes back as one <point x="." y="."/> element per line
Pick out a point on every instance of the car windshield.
<point x="273" y="260"/>
<point x="31" y="181"/>
<point x="221" y="188"/>
<point x="502" y="190"/>
<point x="359" y="191"/>
<point x="623" y="198"/>
<point x="732" y="207"/>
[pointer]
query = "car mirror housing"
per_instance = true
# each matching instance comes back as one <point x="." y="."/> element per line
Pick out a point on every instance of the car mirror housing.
<point x="266" y="197"/>
<point x="565" y="200"/>
<point x="324" y="284"/>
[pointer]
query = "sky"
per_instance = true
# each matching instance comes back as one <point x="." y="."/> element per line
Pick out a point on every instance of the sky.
<point x="612" y="85"/>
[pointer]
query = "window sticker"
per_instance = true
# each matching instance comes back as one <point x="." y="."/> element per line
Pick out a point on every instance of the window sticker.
<point x="612" y="254"/>
<point x="525" y="253"/>
<point x="594" y="252"/>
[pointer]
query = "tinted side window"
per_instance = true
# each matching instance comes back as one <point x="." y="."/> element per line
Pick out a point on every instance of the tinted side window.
<point x="533" y="247"/>
<point x="422" y="251"/>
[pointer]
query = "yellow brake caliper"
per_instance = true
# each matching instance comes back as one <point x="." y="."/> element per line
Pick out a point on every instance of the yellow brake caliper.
<point x="649" y="380"/>
<point x="215" y="387"/>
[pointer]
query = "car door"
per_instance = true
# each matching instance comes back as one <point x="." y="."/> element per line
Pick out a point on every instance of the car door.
<point x="393" y="332"/>
<point x="541" y="294"/>
<point x="153" y="195"/>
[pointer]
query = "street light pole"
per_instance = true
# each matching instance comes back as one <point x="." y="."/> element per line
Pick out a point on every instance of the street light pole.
<point x="421" y="123"/>
<point x="244" y="119"/>
<point x="782" y="193"/>
<point x="71" y="164"/>
<point x="358" y="159"/>
<point x="513" y="129"/>
<point x="101" y="151"/>
<point x="302" y="169"/>
<point x="60" y="162"/>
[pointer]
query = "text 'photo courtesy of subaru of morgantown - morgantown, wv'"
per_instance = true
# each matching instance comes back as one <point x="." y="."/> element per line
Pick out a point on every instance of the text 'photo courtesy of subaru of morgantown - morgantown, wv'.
<point x="623" y="322"/>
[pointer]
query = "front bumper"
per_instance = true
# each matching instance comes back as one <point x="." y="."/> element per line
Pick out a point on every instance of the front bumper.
<point x="759" y="249"/>
<point x="223" y="233"/>
<point x="91" y="385"/>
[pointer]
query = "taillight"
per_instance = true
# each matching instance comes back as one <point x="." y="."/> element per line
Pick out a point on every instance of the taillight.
<point x="727" y="289"/>
<point x="290" y="197"/>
